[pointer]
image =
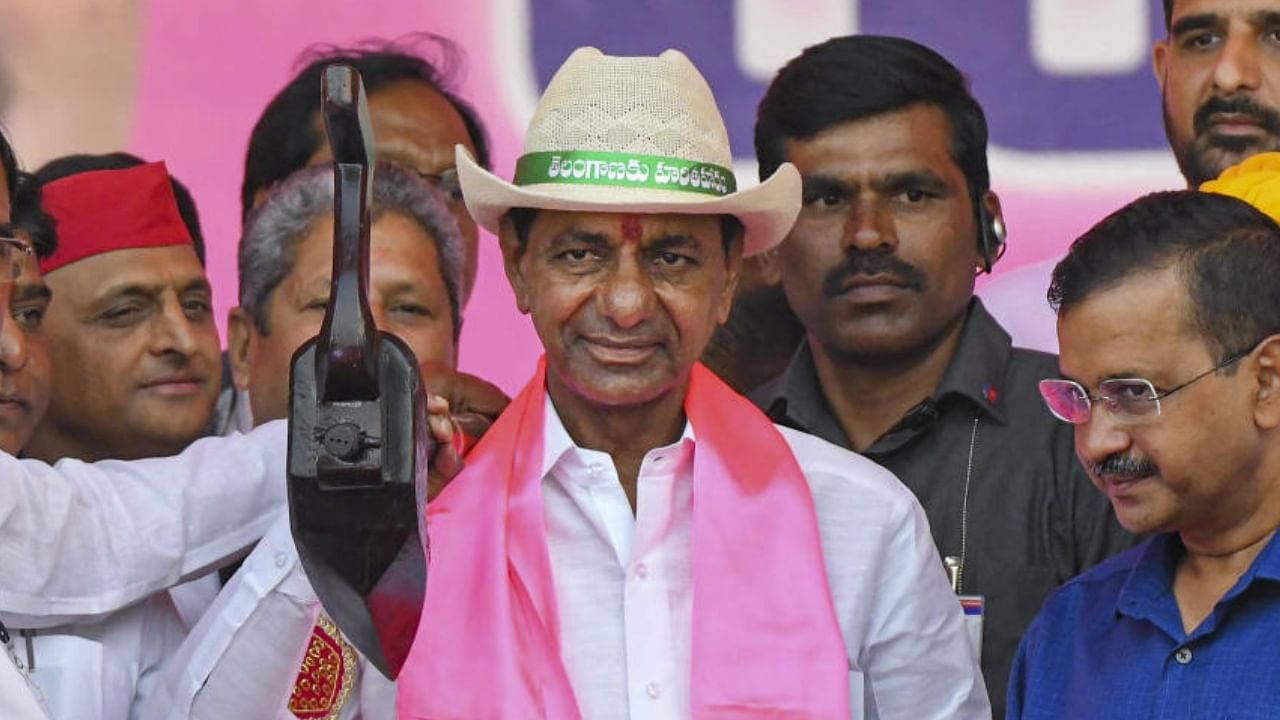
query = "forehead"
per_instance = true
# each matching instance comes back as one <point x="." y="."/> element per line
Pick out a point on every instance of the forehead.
<point x="901" y="140"/>
<point x="175" y="267"/>
<point x="1224" y="9"/>
<point x="617" y="226"/>
<point x="413" y="125"/>
<point x="1138" y="326"/>
<point x="398" y="244"/>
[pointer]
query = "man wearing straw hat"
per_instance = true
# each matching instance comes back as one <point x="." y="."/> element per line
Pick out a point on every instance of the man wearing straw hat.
<point x="632" y="539"/>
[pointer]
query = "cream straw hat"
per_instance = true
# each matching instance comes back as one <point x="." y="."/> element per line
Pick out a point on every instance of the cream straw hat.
<point x="640" y="134"/>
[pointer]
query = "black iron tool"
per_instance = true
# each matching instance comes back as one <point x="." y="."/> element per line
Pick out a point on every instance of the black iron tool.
<point x="359" y="443"/>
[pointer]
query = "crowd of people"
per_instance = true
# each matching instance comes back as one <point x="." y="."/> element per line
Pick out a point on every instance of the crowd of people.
<point x="777" y="461"/>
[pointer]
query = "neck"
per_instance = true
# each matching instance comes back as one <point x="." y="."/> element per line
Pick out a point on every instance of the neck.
<point x="51" y="444"/>
<point x="626" y="432"/>
<point x="869" y="396"/>
<point x="1219" y="554"/>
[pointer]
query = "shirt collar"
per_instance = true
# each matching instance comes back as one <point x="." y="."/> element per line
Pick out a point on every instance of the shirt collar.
<point x="556" y="442"/>
<point x="977" y="371"/>
<point x="976" y="374"/>
<point x="1152" y="576"/>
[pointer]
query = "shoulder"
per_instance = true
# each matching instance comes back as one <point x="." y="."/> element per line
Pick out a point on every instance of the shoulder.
<point x="843" y="480"/>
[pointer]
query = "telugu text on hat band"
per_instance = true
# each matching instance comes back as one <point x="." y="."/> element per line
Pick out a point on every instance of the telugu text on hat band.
<point x="624" y="170"/>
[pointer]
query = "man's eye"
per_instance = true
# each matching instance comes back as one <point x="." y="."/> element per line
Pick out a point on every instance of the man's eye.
<point x="411" y="309"/>
<point x="196" y="307"/>
<point x="824" y="198"/>
<point x="1200" y="41"/>
<point x="913" y="196"/>
<point x="577" y="254"/>
<point x="1131" y="391"/>
<point x="671" y="259"/>
<point x="121" y="314"/>
<point x="29" y="318"/>
<point x="317" y="304"/>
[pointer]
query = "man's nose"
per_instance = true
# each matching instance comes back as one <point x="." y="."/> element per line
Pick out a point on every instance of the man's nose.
<point x="869" y="226"/>
<point x="1238" y="68"/>
<point x="626" y="296"/>
<point x="13" y="345"/>
<point x="171" y="330"/>
<point x="1101" y="436"/>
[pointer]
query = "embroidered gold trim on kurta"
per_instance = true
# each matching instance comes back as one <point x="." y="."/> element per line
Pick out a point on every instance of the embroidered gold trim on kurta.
<point x="326" y="675"/>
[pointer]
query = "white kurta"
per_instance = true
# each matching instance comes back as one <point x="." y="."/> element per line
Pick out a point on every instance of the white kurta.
<point x="18" y="699"/>
<point x="624" y="591"/>
<point x="90" y="548"/>
<point x="624" y="584"/>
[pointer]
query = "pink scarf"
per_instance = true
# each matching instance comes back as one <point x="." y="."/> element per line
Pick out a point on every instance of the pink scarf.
<point x="766" y="643"/>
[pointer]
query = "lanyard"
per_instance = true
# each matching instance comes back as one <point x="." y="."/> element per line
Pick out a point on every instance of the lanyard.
<point x="955" y="564"/>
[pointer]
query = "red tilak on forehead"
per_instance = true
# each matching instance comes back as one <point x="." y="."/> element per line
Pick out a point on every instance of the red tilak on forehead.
<point x="632" y="228"/>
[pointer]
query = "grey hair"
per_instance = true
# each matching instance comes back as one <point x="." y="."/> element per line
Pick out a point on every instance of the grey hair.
<point x="272" y="232"/>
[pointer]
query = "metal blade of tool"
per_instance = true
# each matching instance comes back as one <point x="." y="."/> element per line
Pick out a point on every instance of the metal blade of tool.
<point x="358" y="437"/>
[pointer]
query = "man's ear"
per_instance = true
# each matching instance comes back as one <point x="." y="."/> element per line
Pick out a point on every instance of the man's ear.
<point x="1266" y="411"/>
<point x="512" y="254"/>
<point x="240" y="342"/>
<point x="1160" y="61"/>
<point x="733" y="274"/>
<point x="767" y="266"/>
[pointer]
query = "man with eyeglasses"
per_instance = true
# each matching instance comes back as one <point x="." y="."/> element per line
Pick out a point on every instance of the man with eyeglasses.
<point x="1169" y="323"/>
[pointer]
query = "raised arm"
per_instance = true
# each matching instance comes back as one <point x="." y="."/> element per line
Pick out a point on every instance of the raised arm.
<point x="79" y="540"/>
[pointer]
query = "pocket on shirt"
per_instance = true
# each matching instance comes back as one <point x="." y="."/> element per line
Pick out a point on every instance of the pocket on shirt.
<point x="75" y="678"/>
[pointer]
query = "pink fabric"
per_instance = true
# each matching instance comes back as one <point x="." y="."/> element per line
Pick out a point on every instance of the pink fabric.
<point x="766" y="642"/>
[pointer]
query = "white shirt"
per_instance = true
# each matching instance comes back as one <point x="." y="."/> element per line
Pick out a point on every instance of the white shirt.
<point x="104" y="669"/>
<point x="243" y="656"/>
<point x="624" y="585"/>
<point x="81" y="540"/>
<point x="88" y="548"/>
<point x="1017" y="300"/>
<point x="18" y="699"/>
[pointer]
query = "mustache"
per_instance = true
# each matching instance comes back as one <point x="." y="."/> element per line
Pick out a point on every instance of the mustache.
<point x="1124" y="466"/>
<point x="1242" y="105"/>
<point x="863" y="262"/>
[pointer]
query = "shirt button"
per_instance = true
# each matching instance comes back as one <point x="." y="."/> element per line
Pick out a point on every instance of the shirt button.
<point x="1183" y="655"/>
<point x="642" y="570"/>
<point x="652" y="690"/>
<point x="595" y="470"/>
<point x="281" y="559"/>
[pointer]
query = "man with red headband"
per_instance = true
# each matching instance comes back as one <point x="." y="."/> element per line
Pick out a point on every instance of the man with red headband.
<point x="135" y="374"/>
<point x="136" y="368"/>
<point x="632" y="538"/>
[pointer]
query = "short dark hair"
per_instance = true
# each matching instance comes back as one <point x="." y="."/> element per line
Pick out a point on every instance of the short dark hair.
<point x="68" y="165"/>
<point x="285" y="138"/>
<point x="9" y="163"/>
<point x="731" y="228"/>
<point x="29" y="215"/>
<point x="860" y="76"/>
<point x="1227" y="253"/>
<point x="1168" y="14"/>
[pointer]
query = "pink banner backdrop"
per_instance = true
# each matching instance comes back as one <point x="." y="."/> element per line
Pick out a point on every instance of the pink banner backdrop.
<point x="1073" y="106"/>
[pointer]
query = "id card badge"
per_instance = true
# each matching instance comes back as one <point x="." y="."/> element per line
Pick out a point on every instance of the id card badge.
<point x="974" y="608"/>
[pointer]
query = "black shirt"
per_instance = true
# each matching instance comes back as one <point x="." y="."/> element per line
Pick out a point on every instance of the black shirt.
<point x="1032" y="519"/>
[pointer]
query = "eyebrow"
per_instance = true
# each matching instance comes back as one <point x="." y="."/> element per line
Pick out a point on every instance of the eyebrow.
<point x="1190" y="23"/>
<point x="674" y="241"/>
<point x="574" y="236"/>
<point x="23" y="292"/>
<point x="135" y="289"/>
<point x="813" y="183"/>
<point x="924" y="179"/>
<point x="1206" y="21"/>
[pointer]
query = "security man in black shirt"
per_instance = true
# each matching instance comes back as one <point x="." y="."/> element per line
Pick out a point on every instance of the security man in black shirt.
<point x="900" y="361"/>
